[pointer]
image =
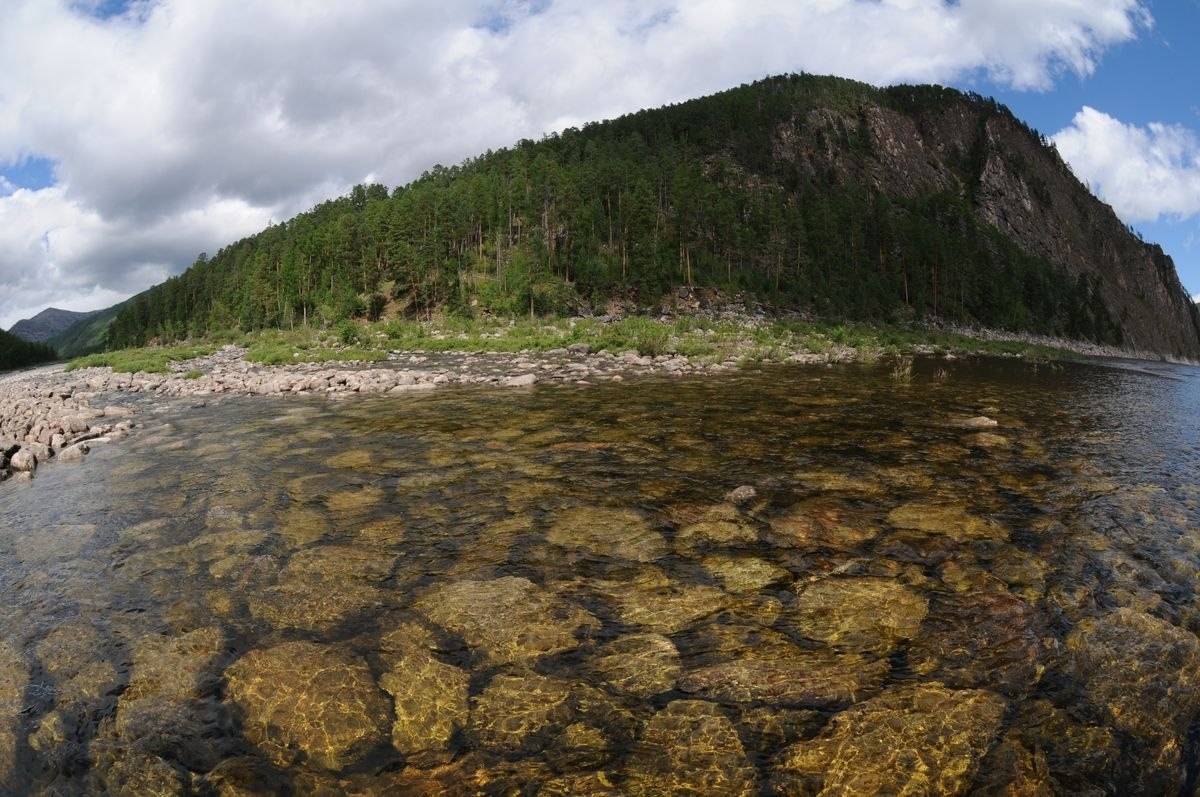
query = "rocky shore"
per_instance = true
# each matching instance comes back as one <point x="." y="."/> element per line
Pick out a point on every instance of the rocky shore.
<point x="52" y="414"/>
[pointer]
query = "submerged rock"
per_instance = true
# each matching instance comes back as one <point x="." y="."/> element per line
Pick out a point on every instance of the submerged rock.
<point x="744" y="573"/>
<point x="167" y="717"/>
<point x="822" y="522"/>
<point x="990" y="639"/>
<point x="690" y="747"/>
<point x="657" y="603"/>
<point x="952" y="521"/>
<point x="14" y="675"/>
<point x="719" y="528"/>
<point x="1144" y="675"/>
<point x="519" y="711"/>
<point x="913" y="739"/>
<point x="508" y="620"/>
<point x="642" y="665"/>
<point x="1011" y="770"/>
<point x="864" y="614"/>
<point x="805" y="678"/>
<point x="313" y="606"/>
<point x="603" y="531"/>
<point x="308" y="702"/>
<point x="337" y="564"/>
<point x="431" y="702"/>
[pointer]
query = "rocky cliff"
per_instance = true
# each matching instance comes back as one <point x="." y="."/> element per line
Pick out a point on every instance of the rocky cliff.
<point x="922" y="140"/>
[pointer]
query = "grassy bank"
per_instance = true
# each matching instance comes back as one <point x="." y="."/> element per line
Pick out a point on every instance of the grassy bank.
<point x="700" y="339"/>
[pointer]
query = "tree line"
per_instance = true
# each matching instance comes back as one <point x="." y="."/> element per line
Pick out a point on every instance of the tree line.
<point x="691" y="194"/>
<point x="18" y="353"/>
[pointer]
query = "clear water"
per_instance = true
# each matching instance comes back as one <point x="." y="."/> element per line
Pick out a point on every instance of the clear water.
<point x="551" y="591"/>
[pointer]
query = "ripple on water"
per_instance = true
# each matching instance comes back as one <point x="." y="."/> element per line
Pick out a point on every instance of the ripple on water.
<point x="789" y="581"/>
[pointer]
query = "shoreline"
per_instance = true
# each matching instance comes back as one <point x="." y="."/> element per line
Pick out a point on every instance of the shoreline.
<point x="49" y="413"/>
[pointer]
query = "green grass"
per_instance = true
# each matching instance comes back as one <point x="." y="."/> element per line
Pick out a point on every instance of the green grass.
<point x="152" y="360"/>
<point x="698" y="338"/>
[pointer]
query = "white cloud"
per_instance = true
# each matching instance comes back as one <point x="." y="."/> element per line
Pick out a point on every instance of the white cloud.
<point x="185" y="124"/>
<point x="1145" y="173"/>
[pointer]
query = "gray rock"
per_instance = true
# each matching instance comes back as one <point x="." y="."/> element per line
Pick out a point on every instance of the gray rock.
<point x="24" y="461"/>
<point x="521" y="380"/>
<point x="74" y="453"/>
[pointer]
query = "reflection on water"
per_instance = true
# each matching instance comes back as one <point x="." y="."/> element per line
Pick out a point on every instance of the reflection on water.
<point x="570" y="591"/>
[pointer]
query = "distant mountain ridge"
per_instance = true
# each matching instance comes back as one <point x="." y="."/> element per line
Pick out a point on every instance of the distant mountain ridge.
<point x="48" y="323"/>
<point x="818" y="194"/>
<point x="86" y="335"/>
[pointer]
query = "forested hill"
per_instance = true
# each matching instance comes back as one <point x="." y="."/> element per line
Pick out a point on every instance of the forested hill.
<point x="815" y="193"/>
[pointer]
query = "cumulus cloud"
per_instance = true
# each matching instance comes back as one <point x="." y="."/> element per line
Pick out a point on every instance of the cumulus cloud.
<point x="180" y="125"/>
<point x="1145" y="173"/>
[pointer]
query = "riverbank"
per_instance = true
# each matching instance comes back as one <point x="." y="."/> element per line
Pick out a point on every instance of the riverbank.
<point x="60" y="412"/>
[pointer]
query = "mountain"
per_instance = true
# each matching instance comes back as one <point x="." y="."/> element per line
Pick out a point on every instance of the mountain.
<point x="817" y="194"/>
<point x="18" y="353"/>
<point x="86" y="335"/>
<point x="47" y="324"/>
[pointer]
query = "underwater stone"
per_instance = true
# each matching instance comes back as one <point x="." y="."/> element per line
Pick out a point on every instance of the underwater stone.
<point x="913" y="739"/>
<point x="642" y="665"/>
<point x="313" y="606"/>
<point x="822" y="522"/>
<point x="690" y="747"/>
<point x="811" y="679"/>
<point x="952" y="521"/>
<point x="431" y="702"/>
<point x="720" y="527"/>
<point x="602" y="531"/>
<point x="1144" y="674"/>
<point x="863" y="614"/>
<point x="652" y="600"/>
<point x="509" y="619"/>
<point x="337" y="564"/>
<point x="990" y="639"/>
<point x="744" y="573"/>
<point x="167" y="715"/>
<point x="518" y="712"/>
<point x="14" y="675"/>
<point x="307" y="701"/>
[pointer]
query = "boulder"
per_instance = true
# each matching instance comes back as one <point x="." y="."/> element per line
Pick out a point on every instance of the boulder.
<point x="309" y="703"/>
<point x="983" y="638"/>
<point x="913" y="739"/>
<point x="508" y="620"/>
<point x="950" y="520"/>
<point x="690" y="747"/>
<point x="74" y="453"/>
<point x="607" y="532"/>
<point x="24" y="461"/>
<point x="431" y="702"/>
<point x="863" y="613"/>
<point x="1144" y="675"/>
<point x="642" y="665"/>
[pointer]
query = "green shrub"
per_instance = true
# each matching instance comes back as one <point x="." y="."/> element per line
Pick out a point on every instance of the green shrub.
<point x="348" y="332"/>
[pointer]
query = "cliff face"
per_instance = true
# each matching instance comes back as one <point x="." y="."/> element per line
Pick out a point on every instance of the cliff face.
<point x="1017" y="184"/>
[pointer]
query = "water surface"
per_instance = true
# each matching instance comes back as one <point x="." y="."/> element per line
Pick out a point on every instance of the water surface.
<point x="558" y="591"/>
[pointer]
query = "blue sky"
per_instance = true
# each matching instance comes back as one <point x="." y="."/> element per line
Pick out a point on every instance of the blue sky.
<point x="135" y="134"/>
<point x="1150" y="80"/>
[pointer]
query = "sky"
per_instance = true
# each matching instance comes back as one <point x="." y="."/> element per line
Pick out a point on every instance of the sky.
<point x="135" y="134"/>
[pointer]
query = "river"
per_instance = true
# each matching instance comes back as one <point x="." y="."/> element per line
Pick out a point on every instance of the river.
<point x="977" y="576"/>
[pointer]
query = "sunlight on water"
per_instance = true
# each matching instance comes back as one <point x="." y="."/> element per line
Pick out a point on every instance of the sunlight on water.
<point x="571" y="591"/>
